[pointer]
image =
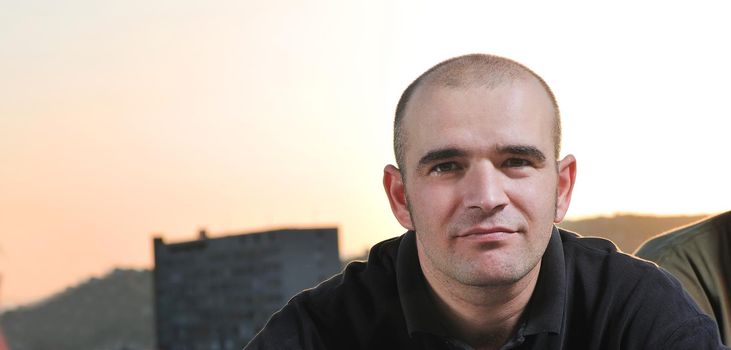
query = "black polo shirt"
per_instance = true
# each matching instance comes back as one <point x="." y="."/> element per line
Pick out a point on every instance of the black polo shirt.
<point x="588" y="296"/>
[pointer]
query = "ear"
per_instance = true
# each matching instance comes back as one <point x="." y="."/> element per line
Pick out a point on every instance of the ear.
<point x="394" y="185"/>
<point x="566" y="180"/>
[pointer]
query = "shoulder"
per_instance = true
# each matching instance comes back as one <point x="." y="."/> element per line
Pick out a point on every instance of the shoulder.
<point x="689" y="240"/>
<point x="589" y="245"/>
<point x="338" y="310"/>
<point x="360" y="283"/>
<point x="598" y="260"/>
<point x="595" y="253"/>
<point x="599" y="257"/>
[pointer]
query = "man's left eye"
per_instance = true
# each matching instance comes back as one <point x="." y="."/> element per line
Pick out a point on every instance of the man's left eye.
<point x="516" y="163"/>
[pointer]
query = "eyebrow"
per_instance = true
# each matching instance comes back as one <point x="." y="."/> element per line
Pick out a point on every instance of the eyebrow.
<point x="523" y="150"/>
<point x="440" y="154"/>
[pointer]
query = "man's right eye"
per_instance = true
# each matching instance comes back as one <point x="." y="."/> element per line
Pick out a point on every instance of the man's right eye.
<point x="444" y="167"/>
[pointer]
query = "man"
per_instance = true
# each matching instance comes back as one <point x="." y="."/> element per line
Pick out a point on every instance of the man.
<point x="482" y="266"/>
<point x="699" y="255"/>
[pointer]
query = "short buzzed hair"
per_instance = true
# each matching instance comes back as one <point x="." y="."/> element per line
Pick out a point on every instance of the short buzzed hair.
<point x="469" y="70"/>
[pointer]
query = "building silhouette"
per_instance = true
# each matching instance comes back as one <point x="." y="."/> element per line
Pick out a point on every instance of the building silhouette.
<point x="217" y="293"/>
<point x="3" y="343"/>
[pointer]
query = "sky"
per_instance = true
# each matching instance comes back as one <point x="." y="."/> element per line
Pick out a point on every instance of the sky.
<point x="122" y="121"/>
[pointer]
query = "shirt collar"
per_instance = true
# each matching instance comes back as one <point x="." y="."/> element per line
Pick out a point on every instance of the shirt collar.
<point x="544" y="313"/>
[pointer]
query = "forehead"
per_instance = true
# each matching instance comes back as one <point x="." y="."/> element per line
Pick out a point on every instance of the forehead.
<point x="478" y="118"/>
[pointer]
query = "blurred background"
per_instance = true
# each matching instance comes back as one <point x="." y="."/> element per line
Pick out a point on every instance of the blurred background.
<point x="124" y="121"/>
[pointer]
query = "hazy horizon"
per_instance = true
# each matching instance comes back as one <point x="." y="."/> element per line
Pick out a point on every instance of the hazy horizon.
<point x="85" y="279"/>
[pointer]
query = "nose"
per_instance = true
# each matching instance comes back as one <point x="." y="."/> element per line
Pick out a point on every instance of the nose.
<point x="484" y="188"/>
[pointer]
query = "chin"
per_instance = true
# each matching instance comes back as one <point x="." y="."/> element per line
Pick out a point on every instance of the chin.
<point x="478" y="279"/>
<point x="496" y="275"/>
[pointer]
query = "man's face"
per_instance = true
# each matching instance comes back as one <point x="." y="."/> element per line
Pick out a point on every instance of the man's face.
<point x="482" y="189"/>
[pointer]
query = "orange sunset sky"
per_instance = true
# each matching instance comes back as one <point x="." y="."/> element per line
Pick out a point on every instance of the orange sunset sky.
<point x="124" y="120"/>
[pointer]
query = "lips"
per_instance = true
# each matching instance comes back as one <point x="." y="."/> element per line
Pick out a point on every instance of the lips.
<point x="475" y="231"/>
<point x="487" y="234"/>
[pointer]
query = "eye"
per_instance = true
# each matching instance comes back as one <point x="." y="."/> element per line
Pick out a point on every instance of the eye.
<point x="445" y="167"/>
<point x="517" y="163"/>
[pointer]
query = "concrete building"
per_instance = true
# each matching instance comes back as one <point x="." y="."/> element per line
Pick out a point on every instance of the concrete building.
<point x="3" y="343"/>
<point x="217" y="293"/>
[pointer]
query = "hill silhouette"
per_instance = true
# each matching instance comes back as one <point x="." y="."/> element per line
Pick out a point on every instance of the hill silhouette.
<point x="109" y="313"/>
<point x="114" y="312"/>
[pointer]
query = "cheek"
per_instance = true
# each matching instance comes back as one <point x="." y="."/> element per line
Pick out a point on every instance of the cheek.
<point x="433" y="204"/>
<point x="535" y="197"/>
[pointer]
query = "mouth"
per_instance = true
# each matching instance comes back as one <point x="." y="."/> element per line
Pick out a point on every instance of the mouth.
<point x="487" y="234"/>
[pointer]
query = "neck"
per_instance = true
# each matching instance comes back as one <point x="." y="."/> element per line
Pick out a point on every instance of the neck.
<point x="483" y="316"/>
